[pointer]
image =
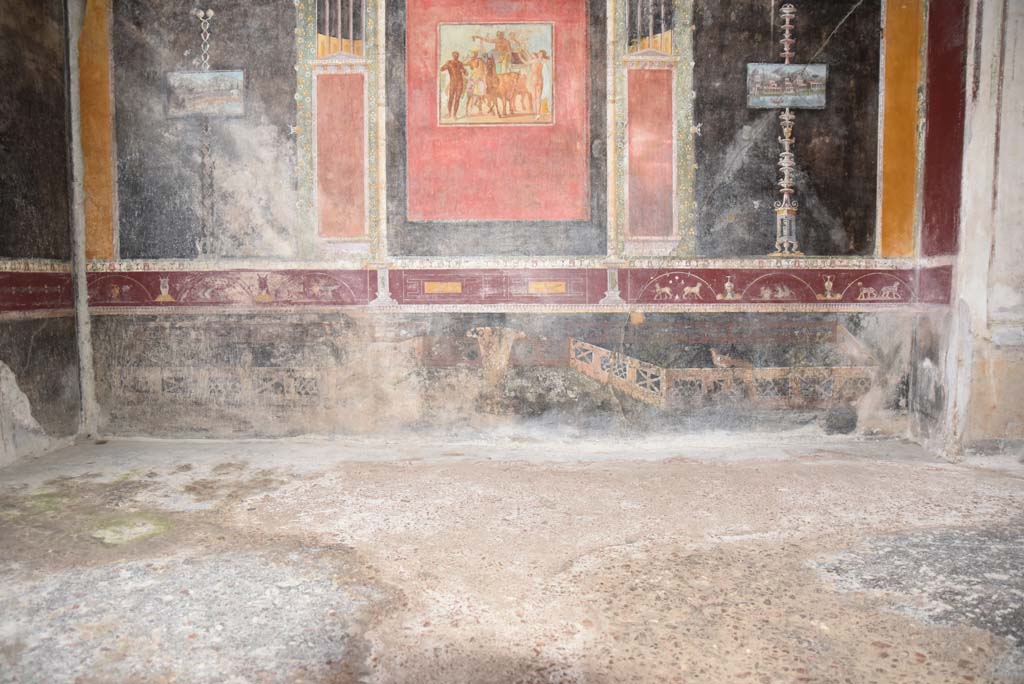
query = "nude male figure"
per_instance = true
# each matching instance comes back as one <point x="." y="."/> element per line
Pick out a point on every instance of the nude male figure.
<point x="456" y="84"/>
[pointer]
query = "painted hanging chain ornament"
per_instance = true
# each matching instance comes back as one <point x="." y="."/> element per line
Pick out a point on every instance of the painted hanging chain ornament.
<point x="204" y="17"/>
<point x="786" y="86"/>
<point x="785" y="209"/>
<point x="205" y="93"/>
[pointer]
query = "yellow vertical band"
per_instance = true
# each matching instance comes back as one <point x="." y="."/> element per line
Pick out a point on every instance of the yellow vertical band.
<point x="904" y="32"/>
<point x="97" y="130"/>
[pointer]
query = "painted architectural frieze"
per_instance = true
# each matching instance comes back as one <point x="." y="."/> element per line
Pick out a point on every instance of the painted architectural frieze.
<point x="499" y="289"/>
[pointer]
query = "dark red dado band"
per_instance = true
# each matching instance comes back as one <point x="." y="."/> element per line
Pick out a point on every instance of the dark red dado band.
<point x="667" y="288"/>
<point x="35" y="291"/>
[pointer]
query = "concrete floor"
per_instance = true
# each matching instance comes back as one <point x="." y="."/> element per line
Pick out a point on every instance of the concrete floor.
<point x="814" y="561"/>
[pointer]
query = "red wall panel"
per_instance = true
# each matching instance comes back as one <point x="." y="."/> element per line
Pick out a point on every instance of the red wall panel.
<point x="341" y="155"/>
<point x="500" y="172"/>
<point x="650" y="197"/>
<point x="944" y="136"/>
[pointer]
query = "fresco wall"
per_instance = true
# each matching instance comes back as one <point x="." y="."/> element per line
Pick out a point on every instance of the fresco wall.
<point x="39" y="386"/>
<point x="398" y="214"/>
<point x="570" y="374"/>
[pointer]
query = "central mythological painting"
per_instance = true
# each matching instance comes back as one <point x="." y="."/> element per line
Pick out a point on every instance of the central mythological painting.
<point x="496" y="74"/>
<point x="496" y="127"/>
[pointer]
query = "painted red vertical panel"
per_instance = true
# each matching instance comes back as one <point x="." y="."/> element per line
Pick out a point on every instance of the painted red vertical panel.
<point x="944" y="135"/>
<point x="651" y="197"/>
<point x="501" y="172"/>
<point x="341" y="155"/>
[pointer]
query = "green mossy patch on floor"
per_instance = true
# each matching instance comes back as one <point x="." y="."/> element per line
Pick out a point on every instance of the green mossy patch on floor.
<point x="129" y="529"/>
<point x="14" y="508"/>
<point x="46" y="502"/>
<point x="132" y="474"/>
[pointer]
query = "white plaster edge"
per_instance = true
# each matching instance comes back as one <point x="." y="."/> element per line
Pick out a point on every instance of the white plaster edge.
<point x="88" y="419"/>
<point x="35" y="314"/>
<point x="969" y="320"/>
<point x="34" y="266"/>
<point x="593" y="262"/>
<point x="247" y="310"/>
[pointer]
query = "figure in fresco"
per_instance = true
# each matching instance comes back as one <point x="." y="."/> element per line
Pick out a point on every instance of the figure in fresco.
<point x="456" y="84"/>
<point x="537" y="80"/>
<point x="477" y="80"/>
<point x="482" y="84"/>
<point x="546" y="91"/>
<point x="502" y="48"/>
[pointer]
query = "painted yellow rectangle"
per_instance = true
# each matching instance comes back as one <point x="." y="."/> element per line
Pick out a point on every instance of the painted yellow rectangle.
<point x="435" y="287"/>
<point x="546" y="287"/>
<point x="97" y="130"/>
<point x="904" y="33"/>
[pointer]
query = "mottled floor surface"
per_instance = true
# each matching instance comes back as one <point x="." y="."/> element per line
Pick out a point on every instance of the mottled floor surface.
<point x="826" y="561"/>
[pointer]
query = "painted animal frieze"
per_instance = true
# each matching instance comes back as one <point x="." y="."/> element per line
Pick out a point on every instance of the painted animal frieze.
<point x="676" y="287"/>
<point x="778" y="287"/>
<point x="878" y="287"/>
